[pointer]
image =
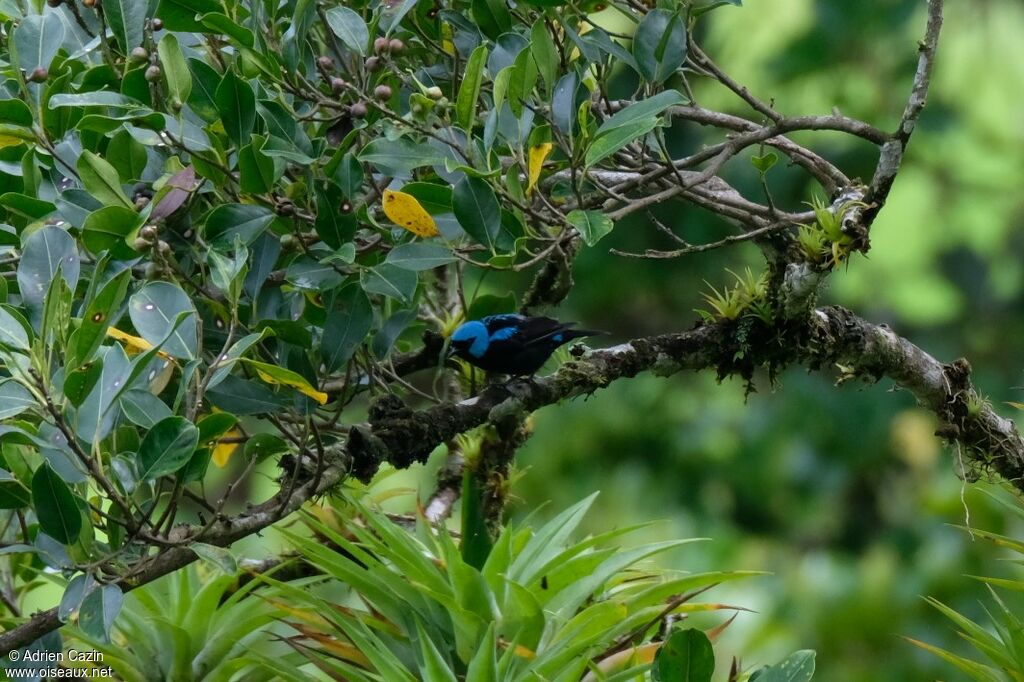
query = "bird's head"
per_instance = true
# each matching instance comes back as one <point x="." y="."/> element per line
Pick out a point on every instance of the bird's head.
<point x="469" y="340"/>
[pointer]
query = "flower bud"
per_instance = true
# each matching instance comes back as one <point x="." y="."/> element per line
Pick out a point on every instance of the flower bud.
<point x="396" y="46"/>
<point x="382" y="92"/>
<point x="153" y="73"/>
<point x="139" y="54"/>
<point x="381" y="45"/>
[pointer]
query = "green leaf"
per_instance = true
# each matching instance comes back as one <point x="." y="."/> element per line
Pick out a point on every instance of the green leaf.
<point x="659" y="44"/>
<point x="237" y="106"/>
<point x="350" y="27"/>
<point x="798" y="667"/>
<point x="644" y="109"/>
<point x="236" y="395"/>
<point x="686" y="656"/>
<point x="764" y="162"/>
<point x="106" y="229"/>
<point x="545" y="54"/>
<point x="213" y="426"/>
<point x="348" y="322"/>
<point x="391" y="281"/>
<point x="13" y="494"/>
<point x="272" y="374"/>
<point x="521" y="81"/>
<point x="102" y="181"/>
<point x="80" y="381"/>
<point x="142" y="408"/>
<point x="167" y="447"/>
<point x="36" y="40"/>
<point x="417" y="256"/>
<point x="153" y="310"/>
<point x="180" y="15"/>
<point x="476" y="537"/>
<point x="484" y="666"/>
<point x="245" y="220"/>
<point x="47" y="251"/>
<point x="477" y="210"/>
<point x="14" y="399"/>
<point x="491" y="16"/>
<point x="12" y="334"/>
<point x="97" y="316"/>
<point x="95" y="417"/>
<point x="615" y="139"/>
<point x="399" y="157"/>
<point x="592" y="225"/>
<point x="435" y="199"/>
<point x="217" y="556"/>
<point x="222" y="23"/>
<point x="56" y="509"/>
<point x="100" y="608"/>
<point x="469" y="90"/>
<point x="179" y="78"/>
<point x="126" y="19"/>
<point x="128" y="156"/>
<point x="98" y="98"/>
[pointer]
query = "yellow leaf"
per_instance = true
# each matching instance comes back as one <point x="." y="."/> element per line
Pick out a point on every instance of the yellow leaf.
<point x="222" y="451"/>
<point x="405" y="211"/>
<point x="134" y="343"/>
<point x="272" y="374"/>
<point x="537" y="155"/>
<point x="10" y="141"/>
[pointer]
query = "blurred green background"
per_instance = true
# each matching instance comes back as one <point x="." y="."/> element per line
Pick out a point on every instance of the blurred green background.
<point x="843" y="494"/>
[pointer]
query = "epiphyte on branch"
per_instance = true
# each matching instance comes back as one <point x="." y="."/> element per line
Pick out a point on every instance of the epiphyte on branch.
<point x="512" y="344"/>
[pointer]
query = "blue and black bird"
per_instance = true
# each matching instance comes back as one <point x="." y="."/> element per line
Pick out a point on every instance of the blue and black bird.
<point x="512" y="344"/>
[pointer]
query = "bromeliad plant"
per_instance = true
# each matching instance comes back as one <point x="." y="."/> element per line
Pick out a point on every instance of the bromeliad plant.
<point x="225" y="223"/>
<point x="189" y="626"/>
<point x="538" y="605"/>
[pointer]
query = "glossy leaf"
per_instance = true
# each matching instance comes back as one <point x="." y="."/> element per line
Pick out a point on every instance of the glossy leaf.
<point x="347" y="325"/>
<point x="125" y="19"/>
<point x="247" y="221"/>
<point x="659" y="44"/>
<point x="14" y="399"/>
<point x="272" y="374"/>
<point x="391" y="281"/>
<point x="13" y="494"/>
<point x="36" y="40"/>
<point x="107" y="228"/>
<point x="469" y="89"/>
<point x="419" y="256"/>
<point x="154" y="309"/>
<point x="99" y="610"/>
<point x="12" y="334"/>
<point x="176" y="72"/>
<point x="476" y="208"/>
<point x="56" y="509"/>
<point x="592" y="225"/>
<point x="47" y="251"/>
<point x="350" y="27"/>
<point x="686" y="656"/>
<point x="237" y="106"/>
<point x="399" y="156"/>
<point x="102" y="181"/>
<point x="167" y="447"/>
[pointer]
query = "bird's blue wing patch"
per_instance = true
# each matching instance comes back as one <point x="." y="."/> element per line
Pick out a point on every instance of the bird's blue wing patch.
<point x="557" y="338"/>
<point x="493" y="322"/>
<point x="504" y="334"/>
